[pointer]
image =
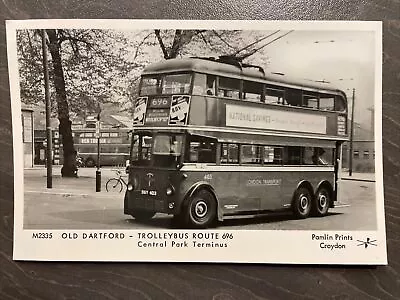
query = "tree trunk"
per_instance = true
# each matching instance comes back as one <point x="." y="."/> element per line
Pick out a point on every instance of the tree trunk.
<point x="69" y="153"/>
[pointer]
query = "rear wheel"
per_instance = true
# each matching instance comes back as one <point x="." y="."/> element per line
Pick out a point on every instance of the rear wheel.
<point x="321" y="202"/>
<point x="201" y="210"/>
<point x="114" y="185"/>
<point x="302" y="202"/>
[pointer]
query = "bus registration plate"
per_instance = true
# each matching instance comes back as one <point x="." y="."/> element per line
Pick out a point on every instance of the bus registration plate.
<point x="149" y="192"/>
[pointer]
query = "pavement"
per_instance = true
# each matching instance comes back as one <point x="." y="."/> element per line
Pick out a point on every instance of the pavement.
<point x="358" y="176"/>
<point x="84" y="185"/>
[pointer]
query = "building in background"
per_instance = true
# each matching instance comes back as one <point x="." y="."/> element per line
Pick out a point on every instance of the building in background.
<point x="363" y="149"/>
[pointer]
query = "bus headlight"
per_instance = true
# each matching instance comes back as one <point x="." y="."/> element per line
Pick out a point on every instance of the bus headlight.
<point x="170" y="190"/>
<point x="130" y="187"/>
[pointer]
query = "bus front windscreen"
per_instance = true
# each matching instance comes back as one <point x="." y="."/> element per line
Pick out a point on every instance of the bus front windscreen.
<point x="166" y="84"/>
<point x="160" y="150"/>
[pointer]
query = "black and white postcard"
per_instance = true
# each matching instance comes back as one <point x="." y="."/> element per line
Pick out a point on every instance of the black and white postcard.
<point x="197" y="141"/>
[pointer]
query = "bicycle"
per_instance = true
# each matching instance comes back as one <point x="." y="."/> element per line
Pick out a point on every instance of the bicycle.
<point x="117" y="183"/>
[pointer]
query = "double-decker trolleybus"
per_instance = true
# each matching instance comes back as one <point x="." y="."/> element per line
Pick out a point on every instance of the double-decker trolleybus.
<point x="214" y="138"/>
<point x="114" y="146"/>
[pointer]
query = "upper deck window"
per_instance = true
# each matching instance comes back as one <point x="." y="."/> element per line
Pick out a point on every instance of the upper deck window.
<point x="274" y="96"/>
<point x="294" y="97"/>
<point x="204" y="84"/>
<point x="229" y="87"/>
<point x="252" y="91"/>
<point x="340" y="104"/>
<point x="310" y="101"/>
<point x="165" y="84"/>
<point x="326" y="102"/>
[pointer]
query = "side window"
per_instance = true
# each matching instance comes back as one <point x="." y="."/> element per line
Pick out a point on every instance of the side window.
<point x="211" y="85"/>
<point x="293" y="155"/>
<point x="251" y="154"/>
<point x="273" y="155"/>
<point x="340" y="104"/>
<point x="252" y="91"/>
<point x="229" y="153"/>
<point x="294" y="97"/>
<point x="309" y="156"/>
<point x="199" y="84"/>
<point x="326" y="102"/>
<point x="228" y="87"/>
<point x="274" y="96"/>
<point x="201" y="150"/>
<point x="317" y="156"/>
<point x="310" y="101"/>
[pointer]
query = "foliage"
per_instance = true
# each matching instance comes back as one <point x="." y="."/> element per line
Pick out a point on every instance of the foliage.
<point x="94" y="64"/>
<point x="104" y="66"/>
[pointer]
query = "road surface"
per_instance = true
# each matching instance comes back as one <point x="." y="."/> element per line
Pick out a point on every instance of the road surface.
<point x="72" y="203"/>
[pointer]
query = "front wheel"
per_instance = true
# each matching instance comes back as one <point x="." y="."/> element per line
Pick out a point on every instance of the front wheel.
<point x="302" y="202"/>
<point x="201" y="210"/>
<point x="321" y="202"/>
<point x="114" y="185"/>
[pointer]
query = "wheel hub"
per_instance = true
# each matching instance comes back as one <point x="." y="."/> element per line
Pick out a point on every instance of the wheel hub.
<point x="322" y="200"/>
<point x="200" y="209"/>
<point x="303" y="202"/>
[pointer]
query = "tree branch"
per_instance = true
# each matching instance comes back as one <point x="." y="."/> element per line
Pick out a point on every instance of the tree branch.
<point x="160" y="41"/>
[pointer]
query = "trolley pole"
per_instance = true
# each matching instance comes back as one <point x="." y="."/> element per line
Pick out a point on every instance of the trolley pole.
<point x="352" y="135"/>
<point x="98" y="171"/>
<point x="49" y="158"/>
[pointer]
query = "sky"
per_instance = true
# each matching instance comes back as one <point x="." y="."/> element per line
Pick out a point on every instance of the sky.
<point x="346" y="59"/>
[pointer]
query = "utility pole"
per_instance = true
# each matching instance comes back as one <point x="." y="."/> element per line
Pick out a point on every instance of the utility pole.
<point x="352" y="135"/>
<point x="98" y="171"/>
<point x="49" y="156"/>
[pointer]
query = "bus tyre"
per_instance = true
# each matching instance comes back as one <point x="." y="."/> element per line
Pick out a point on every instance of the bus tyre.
<point x="89" y="162"/>
<point x="302" y="203"/>
<point x="142" y="215"/>
<point x="321" y="202"/>
<point x="201" y="210"/>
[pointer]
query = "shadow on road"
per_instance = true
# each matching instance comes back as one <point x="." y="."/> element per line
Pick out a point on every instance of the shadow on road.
<point x="169" y="222"/>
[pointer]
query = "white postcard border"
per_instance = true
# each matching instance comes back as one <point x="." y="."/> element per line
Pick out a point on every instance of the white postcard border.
<point x="275" y="246"/>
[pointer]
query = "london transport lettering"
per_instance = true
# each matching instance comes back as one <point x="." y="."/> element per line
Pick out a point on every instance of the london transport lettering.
<point x="264" y="182"/>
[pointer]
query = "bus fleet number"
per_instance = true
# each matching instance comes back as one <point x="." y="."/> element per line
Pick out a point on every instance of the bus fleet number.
<point x="207" y="176"/>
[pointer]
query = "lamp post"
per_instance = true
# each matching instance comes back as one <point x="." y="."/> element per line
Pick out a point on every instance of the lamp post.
<point x="98" y="171"/>
<point x="351" y="135"/>
<point x="49" y="162"/>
